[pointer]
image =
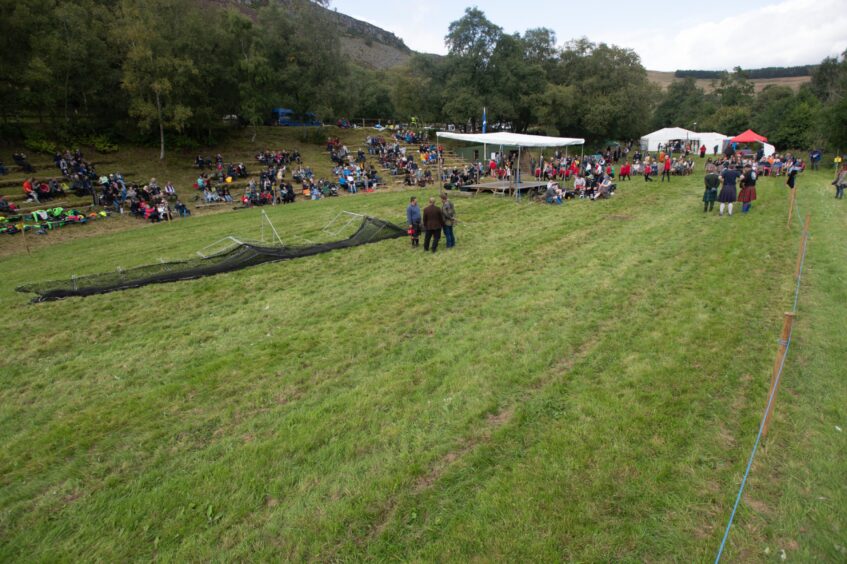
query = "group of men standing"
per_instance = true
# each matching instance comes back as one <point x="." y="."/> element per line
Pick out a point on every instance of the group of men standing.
<point x="432" y="221"/>
<point x="726" y="181"/>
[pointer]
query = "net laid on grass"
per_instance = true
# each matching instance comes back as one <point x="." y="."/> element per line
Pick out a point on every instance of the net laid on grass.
<point x="238" y="255"/>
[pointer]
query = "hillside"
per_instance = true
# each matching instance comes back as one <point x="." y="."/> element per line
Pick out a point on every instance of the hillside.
<point x="664" y="79"/>
<point x="366" y="44"/>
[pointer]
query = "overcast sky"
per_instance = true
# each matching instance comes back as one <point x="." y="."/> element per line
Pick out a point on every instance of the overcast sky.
<point x="710" y="35"/>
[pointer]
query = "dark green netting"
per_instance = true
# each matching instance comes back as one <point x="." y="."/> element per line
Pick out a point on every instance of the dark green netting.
<point x="242" y="255"/>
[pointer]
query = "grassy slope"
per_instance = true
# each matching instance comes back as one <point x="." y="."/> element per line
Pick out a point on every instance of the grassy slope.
<point x="141" y="164"/>
<point x="577" y="382"/>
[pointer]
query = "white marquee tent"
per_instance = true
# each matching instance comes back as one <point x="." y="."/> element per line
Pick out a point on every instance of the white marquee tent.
<point x="710" y="140"/>
<point x="511" y="139"/>
<point x="506" y="139"/>
<point x="651" y="141"/>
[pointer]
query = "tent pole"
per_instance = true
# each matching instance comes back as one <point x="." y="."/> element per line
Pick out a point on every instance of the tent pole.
<point x="516" y="175"/>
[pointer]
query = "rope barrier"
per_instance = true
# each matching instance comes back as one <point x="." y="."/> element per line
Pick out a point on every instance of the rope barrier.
<point x="752" y="456"/>
<point x="775" y="387"/>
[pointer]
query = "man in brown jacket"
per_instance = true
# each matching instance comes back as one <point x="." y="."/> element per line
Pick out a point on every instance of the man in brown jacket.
<point x="432" y="224"/>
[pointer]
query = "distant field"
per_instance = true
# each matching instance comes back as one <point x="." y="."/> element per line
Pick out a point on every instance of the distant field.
<point x="579" y="382"/>
<point x="664" y="79"/>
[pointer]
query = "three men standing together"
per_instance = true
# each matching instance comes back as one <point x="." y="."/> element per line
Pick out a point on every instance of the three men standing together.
<point x="433" y="220"/>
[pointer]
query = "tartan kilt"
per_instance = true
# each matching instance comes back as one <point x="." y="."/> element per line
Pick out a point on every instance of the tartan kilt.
<point x="710" y="195"/>
<point x="747" y="194"/>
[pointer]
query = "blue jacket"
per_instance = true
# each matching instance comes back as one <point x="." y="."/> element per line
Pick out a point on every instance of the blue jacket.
<point x="413" y="215"/>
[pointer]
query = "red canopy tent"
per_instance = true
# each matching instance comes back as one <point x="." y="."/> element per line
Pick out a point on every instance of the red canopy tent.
<point x="749" y="136"/>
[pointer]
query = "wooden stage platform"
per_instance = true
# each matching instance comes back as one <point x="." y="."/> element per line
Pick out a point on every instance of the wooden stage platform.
<point x="505" y="187"/>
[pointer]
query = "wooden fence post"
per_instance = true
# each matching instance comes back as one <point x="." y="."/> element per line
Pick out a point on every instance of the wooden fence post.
<point x="791" y="205"/>
<point x="777" y="366"/>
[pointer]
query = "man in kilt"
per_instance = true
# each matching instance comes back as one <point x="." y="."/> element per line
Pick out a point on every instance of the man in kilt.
<point x="413" y="219"/>
<point x="748" y="189"/>
<point x="712" y="182"/>
<point x="727" y="196"/>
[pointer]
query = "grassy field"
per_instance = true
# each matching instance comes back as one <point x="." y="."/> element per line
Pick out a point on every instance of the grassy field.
<point x="578" y="382"/>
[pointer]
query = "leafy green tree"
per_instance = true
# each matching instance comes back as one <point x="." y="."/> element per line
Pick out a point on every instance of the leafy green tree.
<point x="682" y="105"/>
<point x="734" y="89"/>
<point x="157" y="71"/>
<point x="829" y="84"/>
<point x="729" y="120"/>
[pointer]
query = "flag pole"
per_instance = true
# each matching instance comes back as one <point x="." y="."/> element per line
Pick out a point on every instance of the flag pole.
<point x="484" y="130"/>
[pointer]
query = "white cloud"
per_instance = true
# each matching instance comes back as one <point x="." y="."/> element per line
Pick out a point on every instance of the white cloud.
<point x="792" y="32"/>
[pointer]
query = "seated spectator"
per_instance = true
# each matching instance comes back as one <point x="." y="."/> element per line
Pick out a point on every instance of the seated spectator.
<point x="553" y="194"/>
<point x="579" y="186"/>
<point x="6" y="206"/>
<point x="182" y="209"/>
<point x="605" y="189"/>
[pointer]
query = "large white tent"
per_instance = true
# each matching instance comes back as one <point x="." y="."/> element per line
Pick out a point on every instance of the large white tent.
<point x="505" y="139"/>
<point x="711" y="140"/>
<point x="512" y="139"/>
<point x="651" y="141"/>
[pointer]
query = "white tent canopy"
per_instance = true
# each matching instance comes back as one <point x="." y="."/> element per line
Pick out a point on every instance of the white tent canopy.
<point x="769" y="149"/>
<point x="651" y="141"/>
<point x="710" y="140"/>
<point x="511" y="139"/>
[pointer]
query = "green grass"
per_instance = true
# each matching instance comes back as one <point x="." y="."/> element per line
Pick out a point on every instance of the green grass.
<point x="579" y="382"/>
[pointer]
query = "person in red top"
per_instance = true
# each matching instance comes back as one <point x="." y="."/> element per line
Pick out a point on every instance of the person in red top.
<point x="29" y="190"/>
<point x="666" y="170"/>
<point x="626" y="171"/>
<point x="702" y="151"/>
<point x="492" y="166"/>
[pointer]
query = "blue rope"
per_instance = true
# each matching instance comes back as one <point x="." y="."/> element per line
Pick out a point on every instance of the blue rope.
<point x="800" y="274"/>
<point x="752" y="454"/>
<point x="767" y="408"/>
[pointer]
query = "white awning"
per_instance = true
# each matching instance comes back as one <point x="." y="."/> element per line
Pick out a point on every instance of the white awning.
<point x="511" y="139"/>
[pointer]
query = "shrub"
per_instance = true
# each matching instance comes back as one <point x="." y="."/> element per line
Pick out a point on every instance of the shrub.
<point x="313" y="135"/>
<point x="40" y="145"/>
<point x="102" y="144"/>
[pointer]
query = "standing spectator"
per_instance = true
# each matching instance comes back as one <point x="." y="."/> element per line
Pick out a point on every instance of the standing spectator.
<point x="712" y="181"/>
<point x="626" y="171"/>
<point x="448" y="216"/>
<point x="432" y="224"/>
<point x="840" y="182"/>
<point x="815" y="156"/>
<point x="413" y="218"/>
<point x="666" y="169"/>
<point x="729" y="176"/>
<point x="702" y="151"/>
<point x="791" y="181"/>
<point x="748" y="189"/>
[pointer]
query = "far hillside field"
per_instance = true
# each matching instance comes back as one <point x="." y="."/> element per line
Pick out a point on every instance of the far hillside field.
<point x="577" y="382"/>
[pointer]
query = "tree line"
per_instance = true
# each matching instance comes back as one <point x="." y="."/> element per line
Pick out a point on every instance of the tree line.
<point x="170" y="71"/>
<point x="815" y="115"/>
<point x="752" y="74"/>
